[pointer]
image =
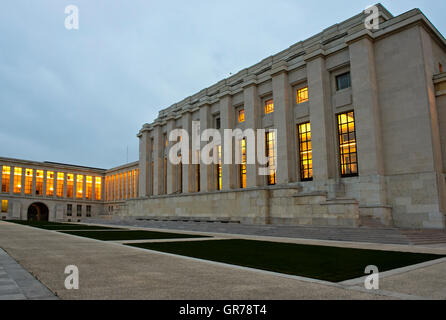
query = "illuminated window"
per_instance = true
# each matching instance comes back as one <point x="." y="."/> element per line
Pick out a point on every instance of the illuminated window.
<point x="28" y="181"/>
<point x="218" y="168"/>
<point x="241" y="115"/>
<point x="17" y="180"/>
<point x="122" y="175"/>
<point x="270" y="154"/>
<point x="97" y="188"/>
<point x="89" y="187"/>
<point x="70" y="185"/>
<point x="130" y="184"/>
<point x="6" y="178"/>
<point x="343" y="81"/>
<point x="134" y="181"/>
<point x="269" y="106"/>
<point x="302" y="95"/>
<point x="79" y="186"/>
<point x="49" y="183"/>
<point x="305" y="152"/>
<point x="126" y="186"/>
<point x="4" y="205"/>
<point x="347" y="144"/>
<point x="39" y="182"/>
<point x="69" y="210"/>
<point x="137" y="180"/>
<point x="60" y="181"/>
<point x="113" y="188"/>
<point x="243" y="164"/>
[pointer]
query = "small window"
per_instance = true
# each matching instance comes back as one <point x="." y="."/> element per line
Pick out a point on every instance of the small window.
<point x="343" y="81"/>
<point x="269" y="106"/>
<point x="79" y="210"/>
<point x="4" y="205"/>
<point x="69" y="210"/>
<point x="88" y="211"/>
<point x="217" y="123"/>
<point x="302" y="95"/>
<point x="241" y="115"/>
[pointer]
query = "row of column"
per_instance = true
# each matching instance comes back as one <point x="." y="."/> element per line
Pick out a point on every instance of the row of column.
<point x="45" y="184"/>
<point x="322" y="118"/>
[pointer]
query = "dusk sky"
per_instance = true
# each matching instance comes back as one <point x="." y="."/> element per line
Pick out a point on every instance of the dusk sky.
<point x="81" y="96"/>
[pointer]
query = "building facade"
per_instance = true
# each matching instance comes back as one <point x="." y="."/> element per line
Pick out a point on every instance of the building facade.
<point x="355" y="131"/>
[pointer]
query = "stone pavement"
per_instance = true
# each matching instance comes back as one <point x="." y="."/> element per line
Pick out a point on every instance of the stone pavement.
<point x="17" y="284"/>
<point x="109" y="270"/>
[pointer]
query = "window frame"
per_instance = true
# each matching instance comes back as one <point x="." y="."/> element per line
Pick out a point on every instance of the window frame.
<point x="349" y="175"/>
<point x="298" y="101"/>
<point x="268" y="110"/>
<point x="340" y="75"/>
<point x="301" y="161"/>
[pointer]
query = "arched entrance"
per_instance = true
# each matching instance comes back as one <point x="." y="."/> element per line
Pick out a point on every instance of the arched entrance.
<point x="38" y="212"/>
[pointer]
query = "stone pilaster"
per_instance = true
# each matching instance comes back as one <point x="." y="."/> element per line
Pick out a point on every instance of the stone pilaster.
<point x="187" y="168"/>
<point x="227" y="122"/>
<point x="283" y="122"/>
<point x="33" y="189"/>
<point x="171" y="168"/>
<point x="205" y="170"/>
<point x="158" y="161"/>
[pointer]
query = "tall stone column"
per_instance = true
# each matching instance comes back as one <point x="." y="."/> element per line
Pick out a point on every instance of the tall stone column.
<point x="368" y="122"/>
<point x="158" y="161"/>
<point x="11" y="180"/>
<point x="103" y="188"/>
<point x="187" y="168"/>
<point x="33" y="192"/>
<point x="171" y="168"/>
<point x="55" y="185"/>
<point x="84" y="187"/>
<point x="74" y="186"/>
<point x="205" y="170"/>
<point x="321" y="119"/>
<point x="93" y="186"/>
<point x="284" y="123"/>
<point x="44" y="182"/>
<point x="65" y="185"/>
<point x="227" y="122"/>
<point x="22" y="189"/>
<point x="252" y="120"/>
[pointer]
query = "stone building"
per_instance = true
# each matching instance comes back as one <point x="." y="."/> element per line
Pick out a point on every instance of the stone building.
<point x="361" y="133"/>
<point x="357" y="118"/>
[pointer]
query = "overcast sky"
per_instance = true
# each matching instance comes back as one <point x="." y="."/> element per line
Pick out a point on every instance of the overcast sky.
<point x="81" y="96"/>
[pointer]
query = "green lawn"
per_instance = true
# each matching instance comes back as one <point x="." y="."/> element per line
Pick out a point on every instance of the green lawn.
<point x="319" y="262"/>
<point x="130" y="235"/>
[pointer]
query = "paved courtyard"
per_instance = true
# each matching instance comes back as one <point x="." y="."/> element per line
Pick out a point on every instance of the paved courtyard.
<point x="109" y="270"/>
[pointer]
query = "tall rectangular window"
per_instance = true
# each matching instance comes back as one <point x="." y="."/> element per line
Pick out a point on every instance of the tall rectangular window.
<point x="28" y="181"/>
<point x="197" y="172"/>
<point x="130" y="185"/>
<point x="79" y="210"/>
<point x="305" y="152"/>
<point x="49" y="183"/>
<point x="343" y="81"/>
<point x="137" y="181"/>
<point x="269" y="106"/>
<point x="271" y="155"/>
<point x="39" y="182"/>
<point x="6" y="178"/>
<point x="79" y="186"/>
<point x="60" y="182"/>
<point x="17" y="180"/>
<point x="347" y="144"/>
<point x="97" y="188"/>
<point x="302" y="95"/>
<point x="134" y="182"/>
<point x="218" y="168"/>
<point x="241" y="115"/>
<point x="165" y="176"/>
<point x="113" y="188"/>
<point x="89" y="186"/>
<point x="243" y="164"/>
<point x="119" y="186"/>
<point x="69" y="210"/>
<point x="70" y="185"/>
<point x="88" y="211"/>
<point x="4" y="205"/>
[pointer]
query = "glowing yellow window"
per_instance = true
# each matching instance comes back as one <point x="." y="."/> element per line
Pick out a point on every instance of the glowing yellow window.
<point x="39" y="182"/>
<point x="129" y="184"/>
<point x="97" y="188"/>
<point x="79" y="186"/>
<point x="17" y="180"/>
<point x="218" y="168"/>
<point x="137" y="179"/>
<point x="271" y="155"/>
<point x="241" y="115"/>
<point x="305" y="152"/>
<point x="134" y="181"/>
<point x="4" y="205"/>
<point x="243" y="165"/>
<point x="347" y="144"/>
<point x="28" y="181"/>
<point x="49" y="183"/>
<point x="6" y="178"/>
<point x="59" y="185"/>
<point x="70" y="185"/>
<point x="302" y="95"/>
<point x="89" y="185"/>
<point x="269" y="106"/>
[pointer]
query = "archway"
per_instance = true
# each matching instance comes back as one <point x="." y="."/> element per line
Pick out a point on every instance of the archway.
<point x="38" y="212"/>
